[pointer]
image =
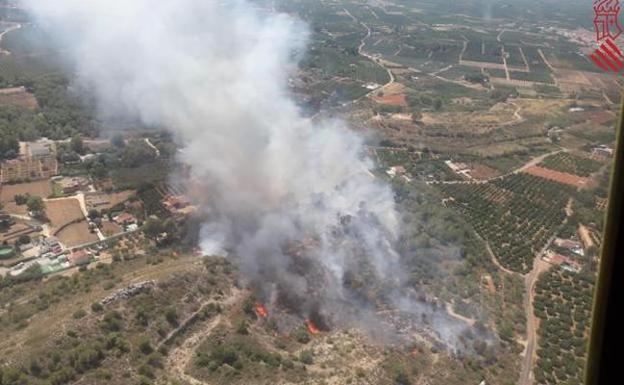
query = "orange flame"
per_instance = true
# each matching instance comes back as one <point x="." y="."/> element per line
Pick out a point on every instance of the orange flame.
<point x="312" y="327"/>
<point x="260" y="310"/>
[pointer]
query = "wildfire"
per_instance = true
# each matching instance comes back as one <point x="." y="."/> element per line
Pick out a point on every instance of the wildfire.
<point x="312" y="327"/>
<point x="260" y="310"/>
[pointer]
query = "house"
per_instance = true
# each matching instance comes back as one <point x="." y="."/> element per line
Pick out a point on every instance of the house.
<point x="569" y="244"/>
<point x="566" y="263"/>
<point x="51" y="245"/>
<point x="175" y="202"/>
<point x="25" y="247"/>
<point x="459" y="168"/>
<point x="79" y="258"/>
<point x="125" y="219"/>
<point x="396" y="170"/>
<point x="177" y="205"/>
<point x="602" y="152"/>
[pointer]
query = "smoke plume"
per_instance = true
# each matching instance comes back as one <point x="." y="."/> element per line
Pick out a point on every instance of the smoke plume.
<point x="291" y="201"/>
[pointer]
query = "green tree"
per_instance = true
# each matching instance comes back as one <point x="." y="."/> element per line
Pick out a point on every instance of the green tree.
<point x="77" y="144"/>
<point x="152" y="227"/>
<point x="36" y="205"/>
<point x="118" y="141"/>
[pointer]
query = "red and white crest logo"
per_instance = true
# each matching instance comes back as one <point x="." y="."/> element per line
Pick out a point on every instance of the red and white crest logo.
<point x="608" y="56"/>
<point x="607" y="19"/>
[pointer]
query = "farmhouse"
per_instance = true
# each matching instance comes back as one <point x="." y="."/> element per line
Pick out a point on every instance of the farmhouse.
<point x="178" y="205"/>
<point x="563" y="261"/>
<point x="125" y="219"/>
<point x="396" y="170"/>
<point x="79" y="257"/>
<point x="459" y="168"/>
<point x="51" y="245"/>
<point x="573" y="246"/>
<point x="602" y="152"/>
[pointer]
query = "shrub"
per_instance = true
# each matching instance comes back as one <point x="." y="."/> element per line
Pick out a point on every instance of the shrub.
<point x="97" y="307"/>
<point x="301" y="335"/>
<point x="78" y="314"/>
<point x="306" y="357"/>
<point x="145" y="346"/>
<point x="171" y="316"/>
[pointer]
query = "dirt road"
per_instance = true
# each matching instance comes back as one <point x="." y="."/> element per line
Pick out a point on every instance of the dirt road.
<point x="11" y="28"/>
<point x="533" y="162"/>
<point x="369" y="56"/>
<point x="526" y="372"/>
<point x="180" y="357"/>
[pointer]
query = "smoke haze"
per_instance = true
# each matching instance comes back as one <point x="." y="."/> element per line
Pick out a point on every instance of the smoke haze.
<point x="216" y="76"/>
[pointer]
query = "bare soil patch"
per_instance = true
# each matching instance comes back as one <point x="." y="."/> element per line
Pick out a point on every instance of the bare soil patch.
<point x="556" y="176"/>
<point x="17" y="96"/>
<point x="392" y="100"/>
<point x="76" y="234"/>
<point x="110" y="228"/>
<point x="62" y="211"/>
<point x="42" y="188"/>
<point x="482" y="172"/>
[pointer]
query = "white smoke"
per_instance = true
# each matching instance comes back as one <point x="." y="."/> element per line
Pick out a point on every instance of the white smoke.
<point x="216" y="76"/>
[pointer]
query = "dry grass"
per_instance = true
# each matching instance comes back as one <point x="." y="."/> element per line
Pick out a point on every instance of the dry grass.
<point x="63" y="211"/>
<point x="481" y="172"/>
<point x="76" y="234"/>
<point x="42" y="188"/>
<point x="17" y="96"/>
<point x="110" y="228"/>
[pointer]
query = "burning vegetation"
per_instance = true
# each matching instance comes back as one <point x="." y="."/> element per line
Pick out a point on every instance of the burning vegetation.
<point x="260" y="310"/>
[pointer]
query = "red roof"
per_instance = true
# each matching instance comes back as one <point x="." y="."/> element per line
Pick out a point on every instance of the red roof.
<point x="125" y="218"/>
<point x="558" y="259"/>
<point x="79" y="257"/>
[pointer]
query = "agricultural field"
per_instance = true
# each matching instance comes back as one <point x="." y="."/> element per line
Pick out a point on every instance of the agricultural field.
<point x="563" y="305"/>
<point x="63" y="211"/>
<point x="41" y="188"/>
<point x="496" y="88"/>
<point x="517" y="215"/>
<point x="152" y="201"/>
<point x="572" y="164"/>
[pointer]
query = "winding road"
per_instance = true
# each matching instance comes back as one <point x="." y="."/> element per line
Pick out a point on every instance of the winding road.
<point x="533" y="162"/>
<point x="11" y="28"/>
<point x="370" y="57"/>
